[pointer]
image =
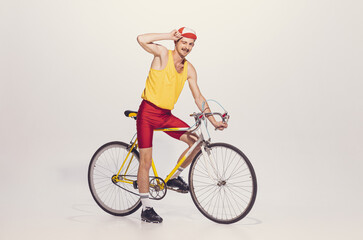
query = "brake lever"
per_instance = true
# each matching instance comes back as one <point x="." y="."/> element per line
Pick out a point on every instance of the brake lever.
<point x="225" y="118"/>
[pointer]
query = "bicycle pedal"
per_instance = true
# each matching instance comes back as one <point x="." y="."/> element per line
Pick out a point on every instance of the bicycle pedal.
<point x="134" y="183"/>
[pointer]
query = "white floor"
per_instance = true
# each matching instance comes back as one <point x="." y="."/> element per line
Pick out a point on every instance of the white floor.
<point x="62" y="208"/>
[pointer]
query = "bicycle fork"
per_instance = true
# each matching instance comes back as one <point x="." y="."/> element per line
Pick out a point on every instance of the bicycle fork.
<point x="210" y="163"/>
<point x="208" y="159"/>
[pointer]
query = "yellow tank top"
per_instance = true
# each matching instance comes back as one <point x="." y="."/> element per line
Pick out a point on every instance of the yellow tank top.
<point x="163" y="87"/>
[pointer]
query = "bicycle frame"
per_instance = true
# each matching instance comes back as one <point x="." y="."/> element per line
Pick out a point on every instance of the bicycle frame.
<point x="134" y="145"/>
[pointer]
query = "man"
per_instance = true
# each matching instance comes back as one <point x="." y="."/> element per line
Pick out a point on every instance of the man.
<point x="168" y="73"/>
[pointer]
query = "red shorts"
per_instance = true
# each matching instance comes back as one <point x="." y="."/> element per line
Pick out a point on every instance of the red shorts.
<point x="150" y="117"/>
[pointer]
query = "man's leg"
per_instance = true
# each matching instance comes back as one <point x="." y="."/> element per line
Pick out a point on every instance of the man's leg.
<point x="148" y="214"/>
<point x="143" y="173"/>
<point x="175" y="181"/>
<point x="190" y="139"/>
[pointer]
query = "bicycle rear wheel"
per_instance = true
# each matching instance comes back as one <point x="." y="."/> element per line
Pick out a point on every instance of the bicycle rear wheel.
<point x="223" y="184"/>
<point x="109" y="195"/>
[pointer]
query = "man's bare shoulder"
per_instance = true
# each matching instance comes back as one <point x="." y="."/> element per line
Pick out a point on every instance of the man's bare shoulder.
<point x="161" y="58"/>
<point x="192" y="73"/>
<point x="190" y="65"/>
<point x="164" y="52"/>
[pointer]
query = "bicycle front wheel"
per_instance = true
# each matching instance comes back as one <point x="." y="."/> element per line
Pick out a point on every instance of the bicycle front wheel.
<point x="222" y="183"/>
<point x="111" y="196"/>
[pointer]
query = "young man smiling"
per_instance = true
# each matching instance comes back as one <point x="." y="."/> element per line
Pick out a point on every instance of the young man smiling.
<point x="168" y="73"/>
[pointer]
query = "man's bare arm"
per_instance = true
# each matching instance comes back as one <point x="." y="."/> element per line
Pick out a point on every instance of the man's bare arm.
<point x="199" y="99"/>
<point x="147" y="41"/>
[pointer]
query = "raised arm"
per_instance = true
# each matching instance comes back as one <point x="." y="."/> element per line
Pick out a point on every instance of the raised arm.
<point x="199" y="99"/>
<point x="147" y="41"/>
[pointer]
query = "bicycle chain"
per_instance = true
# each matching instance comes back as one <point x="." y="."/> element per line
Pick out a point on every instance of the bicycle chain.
<point x="157" y="197"/>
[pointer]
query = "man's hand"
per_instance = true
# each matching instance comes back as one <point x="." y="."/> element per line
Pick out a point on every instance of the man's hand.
<point x="220" y="125"/>
<point x="175" y="35"/>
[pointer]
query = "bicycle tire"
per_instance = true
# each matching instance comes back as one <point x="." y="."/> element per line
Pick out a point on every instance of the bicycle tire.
<point x="226" y="192"/>
<point x="104" y="164"/>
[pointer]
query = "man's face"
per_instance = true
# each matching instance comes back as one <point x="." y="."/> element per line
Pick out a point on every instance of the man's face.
<point x="184" y="46"/>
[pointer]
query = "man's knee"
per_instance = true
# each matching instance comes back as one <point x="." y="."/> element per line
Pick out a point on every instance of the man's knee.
<point x="189" y="138"/>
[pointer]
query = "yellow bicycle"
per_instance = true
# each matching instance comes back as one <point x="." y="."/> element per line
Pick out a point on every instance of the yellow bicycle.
<point x="222" y="181"/>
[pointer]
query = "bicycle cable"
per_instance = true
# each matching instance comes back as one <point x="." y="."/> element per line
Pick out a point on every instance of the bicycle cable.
<point x="204" y="119"/>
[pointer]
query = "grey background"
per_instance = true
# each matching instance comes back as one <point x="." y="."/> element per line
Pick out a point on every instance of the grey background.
<point x="288" y="72"/>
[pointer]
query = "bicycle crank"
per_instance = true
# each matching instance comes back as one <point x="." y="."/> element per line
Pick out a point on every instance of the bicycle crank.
<point x="157" y="186"/>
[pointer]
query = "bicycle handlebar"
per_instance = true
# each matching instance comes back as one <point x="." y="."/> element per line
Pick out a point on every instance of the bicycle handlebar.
<point x="200" y="116"/>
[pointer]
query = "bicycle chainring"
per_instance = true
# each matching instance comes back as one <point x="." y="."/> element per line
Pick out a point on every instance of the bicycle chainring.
<point x="157" y="188"/>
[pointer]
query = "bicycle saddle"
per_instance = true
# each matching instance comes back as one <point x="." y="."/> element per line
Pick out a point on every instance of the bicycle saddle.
<point x="131" y="114"/>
